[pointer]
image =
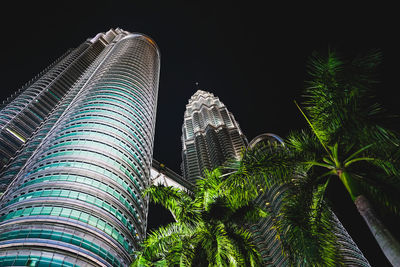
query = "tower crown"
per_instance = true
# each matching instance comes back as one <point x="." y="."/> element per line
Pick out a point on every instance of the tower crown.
<point x="210" y="135"/>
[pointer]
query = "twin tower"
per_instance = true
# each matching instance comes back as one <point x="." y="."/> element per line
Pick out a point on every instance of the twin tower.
<point x="76" y="146"/>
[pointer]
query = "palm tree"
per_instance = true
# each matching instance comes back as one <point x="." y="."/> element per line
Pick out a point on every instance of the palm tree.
<point x="305" y="225"/>
<point x="208" y="230"/>
<point x="356" y="143"/>
<point x="349" y="139"/>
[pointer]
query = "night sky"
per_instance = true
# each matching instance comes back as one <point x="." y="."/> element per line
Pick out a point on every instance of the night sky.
<point x="251" y="56"/>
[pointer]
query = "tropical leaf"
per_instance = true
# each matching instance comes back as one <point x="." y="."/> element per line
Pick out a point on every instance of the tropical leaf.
<point x="305" y="225"/>
<point x="340" y="101"/>
<point x="209" y="228"/>
<point x="250" y="213"/>
<point x="381" y="189"/>
<point x="304" y="146"/>
<point x="270" y="163"/>
<point x="363" y="151"/>
<point x="156" y="247"/>
<point x="350" y="138"/>
<point x="244" y="245"/>
<point x="177" y="201"/>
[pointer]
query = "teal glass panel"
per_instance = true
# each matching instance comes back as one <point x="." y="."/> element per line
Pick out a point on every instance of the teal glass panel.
<point x="90" y="166"/>
<point x="104" y="138"/>
<point x="137" y="133"/>
<point x="100" y="126"/>
<point x="69" y="213"/>
<point x="112" y="111"/>
<point x="75" y="214"/>
<point x="63" y="237"/>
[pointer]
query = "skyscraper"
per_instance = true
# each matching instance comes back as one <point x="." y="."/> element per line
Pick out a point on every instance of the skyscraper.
<point x="77" y="144"/>
<point x="210" y="135"/>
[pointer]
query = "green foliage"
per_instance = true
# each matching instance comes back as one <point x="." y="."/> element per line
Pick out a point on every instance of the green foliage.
<point x="349" y="138"/>
<point x="208" y="230"/>
<point x="180" y="203"/>
<point x="304" y="223"/>
<point x="306" y="226"/>
<point x="339" y="96"/>
<point x="344" y="112"/>
<point x="339" y="99"/>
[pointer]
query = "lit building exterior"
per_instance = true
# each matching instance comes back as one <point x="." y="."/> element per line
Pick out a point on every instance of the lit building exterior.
<point x="76" y="144"/>
<point x="210" y="135"/>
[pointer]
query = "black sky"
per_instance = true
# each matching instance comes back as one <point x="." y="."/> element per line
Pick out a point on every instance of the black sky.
<point x="250" y="54"/>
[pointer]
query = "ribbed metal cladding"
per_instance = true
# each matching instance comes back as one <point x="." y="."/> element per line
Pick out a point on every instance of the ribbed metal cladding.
<point x="210" y="135"/>
<point x="77" y="200"/>
<point x="263" y="231"/>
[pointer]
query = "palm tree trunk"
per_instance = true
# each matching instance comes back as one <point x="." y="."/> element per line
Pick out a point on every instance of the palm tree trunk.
<point x="389" y="245"/>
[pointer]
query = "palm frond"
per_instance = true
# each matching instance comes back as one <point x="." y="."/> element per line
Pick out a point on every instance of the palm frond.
<point x="315" y="131"/>
<point x="243" y="242"/>
<point x="208" y="189"/>
<point x="250" y="213"/>
<point x="352" y="156"/>
<point x="340" y="100"/>
<point x="381" y="189"/>
<point x="238" y="188"/>
<point x="305" y="225"/>
<point x="156" y="247"/>
<point x="367" y="64"/>
<point x="268" y="163"/>
<point x="304" y="145"/>
<point x="207" y="239"/>
<point x="225" y="253"/>
<point x="391" y="167"/>
<point x="140" y="261"/>
<point x="177" y="201"/>
<point x="387" y="156"/>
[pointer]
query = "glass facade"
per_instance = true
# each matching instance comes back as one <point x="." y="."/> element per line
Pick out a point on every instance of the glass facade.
<point x="75" y="196"/>
<point x="24" y="112"/>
